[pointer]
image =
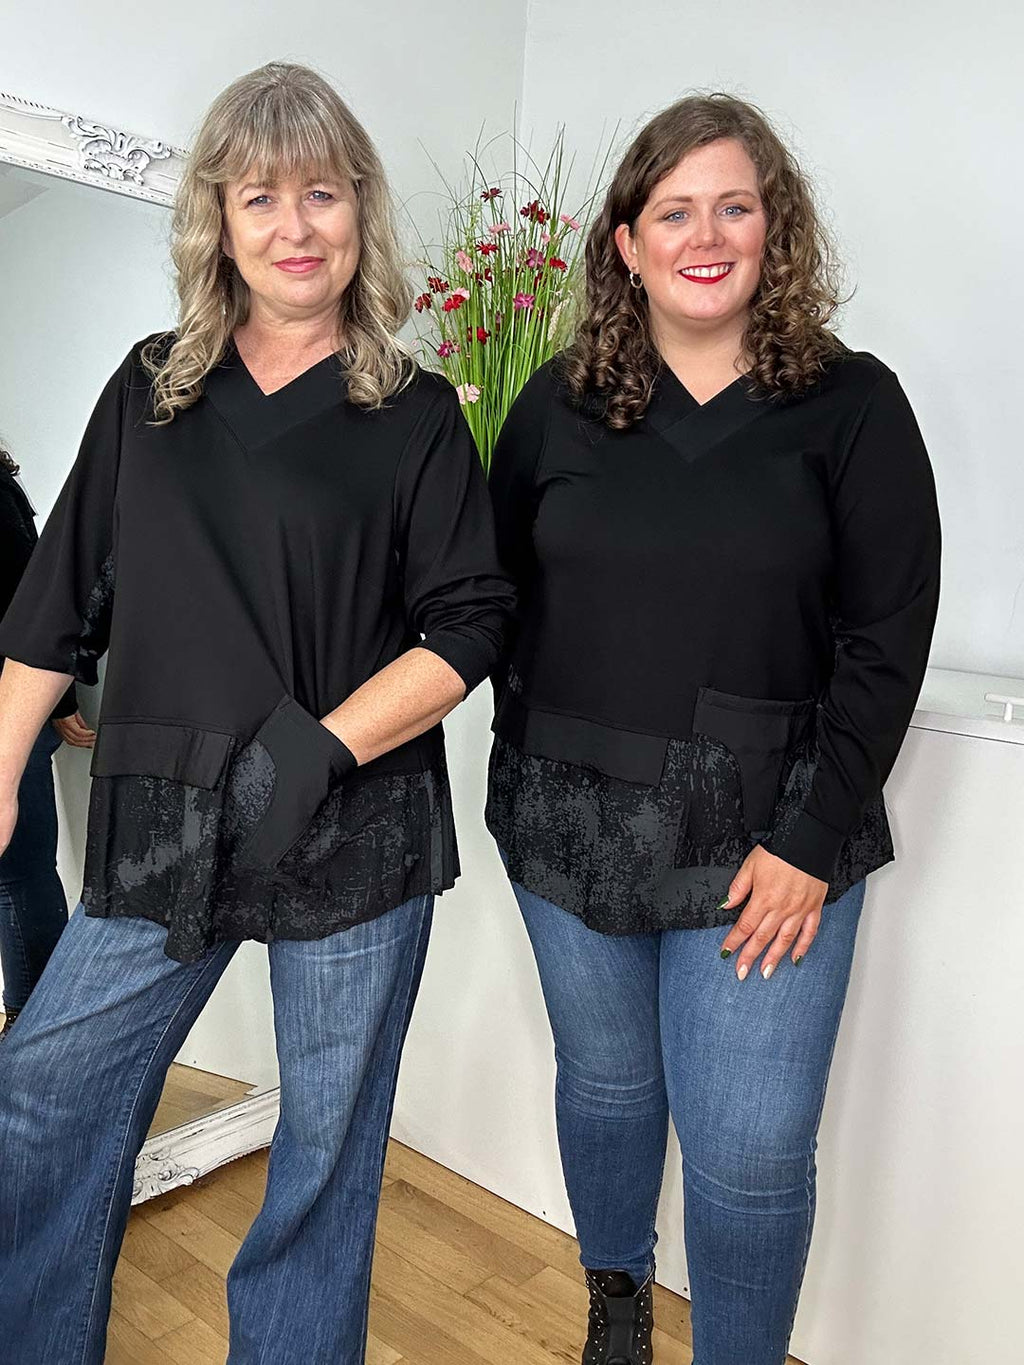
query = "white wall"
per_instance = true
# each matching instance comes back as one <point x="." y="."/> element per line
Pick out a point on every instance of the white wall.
<point x="412" y="73"/>
<point x="910" y="120"/>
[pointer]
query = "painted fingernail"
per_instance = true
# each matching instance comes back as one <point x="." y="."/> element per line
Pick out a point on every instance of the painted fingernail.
<point x="722" y="903"/>
<point x="766" y="973"/>
<point x="798" y="960"/>
<point x="741" y="972"/>
<point x="726" y="952"/>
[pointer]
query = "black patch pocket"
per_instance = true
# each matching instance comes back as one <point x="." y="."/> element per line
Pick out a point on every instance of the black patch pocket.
<point x="758" y="732"/>
<point x="307" y="761"/>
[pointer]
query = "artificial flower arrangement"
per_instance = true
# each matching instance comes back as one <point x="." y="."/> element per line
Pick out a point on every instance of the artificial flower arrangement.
<point x="500" y="288"/>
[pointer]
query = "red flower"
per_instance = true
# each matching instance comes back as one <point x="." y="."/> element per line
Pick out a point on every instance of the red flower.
<point x="438" y="285"/>
<point x="424" y="301"/>
<point x="487" y="248"/>
<point x="556" y="264"/>
<point x="534" y="212"/>
<point x="482" y="334"/>
<point x="453" y="303"/>
<point x="490" y="194"/>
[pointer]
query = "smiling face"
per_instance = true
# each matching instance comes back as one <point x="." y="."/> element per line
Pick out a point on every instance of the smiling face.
<point x="697" y="243"/>
<point x="296" y="245"/>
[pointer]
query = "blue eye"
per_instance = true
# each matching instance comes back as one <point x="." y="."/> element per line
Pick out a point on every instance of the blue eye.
<point x="674" y="216"/>
<point x="739" y="210"/>
<point x="326" y="193"/>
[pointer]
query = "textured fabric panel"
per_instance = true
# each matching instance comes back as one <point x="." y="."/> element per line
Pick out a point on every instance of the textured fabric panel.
<point x="168" y="852"/>
<point x="629" y="858"/>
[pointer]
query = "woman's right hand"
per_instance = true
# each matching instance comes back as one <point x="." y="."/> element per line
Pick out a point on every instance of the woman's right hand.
<point x="8" y="817"/>
<point x="74" y="731"/>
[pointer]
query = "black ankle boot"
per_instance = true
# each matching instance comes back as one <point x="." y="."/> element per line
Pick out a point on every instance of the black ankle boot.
<point x="9" y="1019"/>
<point x="621" y="1319"/>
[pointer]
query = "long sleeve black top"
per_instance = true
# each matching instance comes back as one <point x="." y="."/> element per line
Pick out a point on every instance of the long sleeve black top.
<point x="725" y="617"/>
<point x="18" y="537"/>
<point x="250" y="565"/>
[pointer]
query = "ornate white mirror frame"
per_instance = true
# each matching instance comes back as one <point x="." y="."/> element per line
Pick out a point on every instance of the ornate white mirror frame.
<point x="79" y="148"/>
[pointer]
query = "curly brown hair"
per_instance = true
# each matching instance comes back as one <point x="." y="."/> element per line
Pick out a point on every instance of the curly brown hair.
<point x="612" y="362"/>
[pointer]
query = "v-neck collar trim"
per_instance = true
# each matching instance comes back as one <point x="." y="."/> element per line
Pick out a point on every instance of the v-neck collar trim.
<point x="694" y="428"/>
<point x="257" y="417"/>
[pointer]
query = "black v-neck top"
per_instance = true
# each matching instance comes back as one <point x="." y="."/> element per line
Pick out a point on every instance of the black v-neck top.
<point x="250" y="565"/>
<point x="725" y="616"/>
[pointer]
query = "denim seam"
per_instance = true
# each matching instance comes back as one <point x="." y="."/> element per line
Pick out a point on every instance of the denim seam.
<point x="119" y="1160"/>
<point x="408" y="1008"/>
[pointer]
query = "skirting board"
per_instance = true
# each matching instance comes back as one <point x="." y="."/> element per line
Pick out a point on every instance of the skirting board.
<point x="181" y="1155"/>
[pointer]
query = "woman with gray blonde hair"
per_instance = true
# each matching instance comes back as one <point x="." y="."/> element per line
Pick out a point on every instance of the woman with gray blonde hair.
<point x="278" y="526"/>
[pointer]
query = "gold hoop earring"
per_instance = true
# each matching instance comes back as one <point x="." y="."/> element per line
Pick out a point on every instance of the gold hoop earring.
<point x="636" y="284"/>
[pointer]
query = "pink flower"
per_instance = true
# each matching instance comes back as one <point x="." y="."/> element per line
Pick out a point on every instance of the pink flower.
<point x="468" y="393"/>
<point x="534" y="258"/>
<point x="523" y="301"/>
<point x="463" y="262"/>
<point x="463" y="293"/>
<point x="545" y="236"/>
<point x="495" y="228"/>
<point x="569" y="222"/>
<point x="447" y="348"/>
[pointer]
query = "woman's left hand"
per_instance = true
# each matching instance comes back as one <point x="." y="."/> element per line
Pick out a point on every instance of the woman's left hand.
<point x="782" y="914"/>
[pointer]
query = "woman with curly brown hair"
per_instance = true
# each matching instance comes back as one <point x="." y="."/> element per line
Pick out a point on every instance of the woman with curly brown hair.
<point x="723" y="528"/>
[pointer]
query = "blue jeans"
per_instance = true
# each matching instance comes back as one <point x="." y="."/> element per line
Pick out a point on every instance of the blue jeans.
<point x="652" y="1025"/>
<point x="80" y="1076"/>
<point x="33" y="909"/>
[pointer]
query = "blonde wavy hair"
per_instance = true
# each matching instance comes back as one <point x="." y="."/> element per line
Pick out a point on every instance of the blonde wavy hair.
<point x="279" y="121"/>
<point x="612" y="363"/>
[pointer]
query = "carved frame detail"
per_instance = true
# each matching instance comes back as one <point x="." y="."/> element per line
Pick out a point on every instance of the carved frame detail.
<point x="79" y="148"/>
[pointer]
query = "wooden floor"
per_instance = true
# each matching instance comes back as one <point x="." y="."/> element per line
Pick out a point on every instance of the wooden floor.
<point x="189" y="1094"/>
<point x="459" y="1276"/>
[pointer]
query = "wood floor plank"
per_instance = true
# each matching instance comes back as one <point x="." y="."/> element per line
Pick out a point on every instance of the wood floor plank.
<point x="225" y="1205"/>
<point x="549" y="1245"/>
<point x="201" y="1291"/>
<point x="194" y="1344"/>
<point x="150" y="1307"/>
<point x="200" y="1236"/>
<point x="465" y="1235"/>
<point x="443" y="1311"/>
<point x="126" y="1345"/>
<point x="422" y="1248"/>
<point x="149" y="1250"/>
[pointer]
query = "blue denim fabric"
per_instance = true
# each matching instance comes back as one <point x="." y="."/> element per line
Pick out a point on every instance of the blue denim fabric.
<point x="33" y="908"/>
<point x="80" y="1076"/>
<point x="652" y="1025"/>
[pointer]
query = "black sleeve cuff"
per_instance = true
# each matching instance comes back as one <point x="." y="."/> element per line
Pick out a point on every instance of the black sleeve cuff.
<point x="308" y="762"/>
<point x="808" y="845"/>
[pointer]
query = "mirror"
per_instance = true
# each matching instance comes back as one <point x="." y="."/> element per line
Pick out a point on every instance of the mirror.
<point x="84" y="273"/>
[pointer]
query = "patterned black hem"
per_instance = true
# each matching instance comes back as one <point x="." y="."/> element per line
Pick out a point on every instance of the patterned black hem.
<point x="631" y="858"/>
